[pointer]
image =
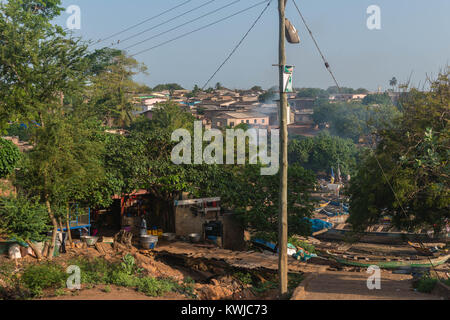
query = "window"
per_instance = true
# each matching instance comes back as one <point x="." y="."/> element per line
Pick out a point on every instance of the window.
<point x="263" y="120"/>
<point x="255" y="121"/>
<point x="248" y="121"/>
<point x="232" y="124"/>
<point x="242" y="121"/>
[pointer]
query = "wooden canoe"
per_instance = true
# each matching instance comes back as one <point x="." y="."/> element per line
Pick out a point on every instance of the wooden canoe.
<point x="389" y="263"/>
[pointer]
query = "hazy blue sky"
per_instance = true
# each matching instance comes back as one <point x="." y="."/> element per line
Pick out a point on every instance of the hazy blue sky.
<point x="414" y="38"/>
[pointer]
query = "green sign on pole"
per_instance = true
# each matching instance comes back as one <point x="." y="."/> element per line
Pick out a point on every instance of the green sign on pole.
<point x="287" y="78"/>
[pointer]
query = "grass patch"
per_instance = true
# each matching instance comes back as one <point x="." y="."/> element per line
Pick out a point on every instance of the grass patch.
<point x="426" y="283"/>
<point x="32" y="282"/>
<point x="155" y="287"/>
<point x="36" y="278"/>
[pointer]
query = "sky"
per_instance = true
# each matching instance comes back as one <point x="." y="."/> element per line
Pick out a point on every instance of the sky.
<point x="413" y="41"/>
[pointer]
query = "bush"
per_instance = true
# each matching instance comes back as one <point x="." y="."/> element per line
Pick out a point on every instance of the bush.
<point x="155" y="287"/>
<point x="425" y="284"/>
<point x="121" y="278"/>
<point x="95" y="271"/>
<point x="44" y="276"/>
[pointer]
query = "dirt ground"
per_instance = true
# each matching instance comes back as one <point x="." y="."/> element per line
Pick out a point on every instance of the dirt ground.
<point x="344" y="285"/>
<point x="211" y="267"/>
<point x="115" y="293"/>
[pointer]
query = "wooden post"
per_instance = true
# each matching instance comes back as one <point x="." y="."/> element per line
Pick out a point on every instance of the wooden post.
<point x="282" y="215"/>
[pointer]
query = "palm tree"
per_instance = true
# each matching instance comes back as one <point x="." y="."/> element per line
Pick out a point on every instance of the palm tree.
<point x="393" y="83"/>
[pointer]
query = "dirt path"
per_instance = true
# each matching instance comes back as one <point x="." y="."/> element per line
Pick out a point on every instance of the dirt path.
<point x="114" y="293"/>
<point x="344" y="285"/>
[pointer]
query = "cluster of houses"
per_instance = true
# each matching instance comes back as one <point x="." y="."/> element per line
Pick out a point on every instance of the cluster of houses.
<point x="226" y="108"/>
<point x="230" y="108"/>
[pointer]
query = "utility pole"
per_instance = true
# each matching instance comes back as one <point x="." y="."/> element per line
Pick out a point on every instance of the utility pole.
<point x="282" y="214"/>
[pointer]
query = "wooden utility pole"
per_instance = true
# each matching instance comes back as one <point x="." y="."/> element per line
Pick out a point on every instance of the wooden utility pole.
<point x="282" y="214"/>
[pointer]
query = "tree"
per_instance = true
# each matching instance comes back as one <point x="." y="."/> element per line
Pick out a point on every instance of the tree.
<point x="256" y="88"/>
<point x="312" y="93"/>
<point x="393" y="83"/>
<point x="256" y="200"/>
<point x="377" y="98"/>
<point x="411" y="157"/>
<point x="25" y="220"/>
<point x="39" y="64"/>
<point x="219" y="86"/>
<point x="64" y="166"/>
<point x="324" y="151"/>
<point x="168" y="86"/>
<point x="9" y="157"/>
<point x="353" y="120"/>
<point x="113" y="85"/>
<point x="268" y="96"/>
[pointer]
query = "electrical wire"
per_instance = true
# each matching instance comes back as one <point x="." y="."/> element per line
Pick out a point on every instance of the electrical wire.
<point x="327" y="65"/>
<point x="182" y="25"/>
<point x="201" y="28"/>
<point x="142" y="22"/>
<point x="165" y="22"/>
<point x="238" y="45"/>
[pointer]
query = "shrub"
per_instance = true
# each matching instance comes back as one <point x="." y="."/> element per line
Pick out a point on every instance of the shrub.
<point x="44" y="276"/>
<point x="121" y="278"/>
<point x="95" y="271"/>
<point x="155" y="287"/>
<point x="425" y="284"/>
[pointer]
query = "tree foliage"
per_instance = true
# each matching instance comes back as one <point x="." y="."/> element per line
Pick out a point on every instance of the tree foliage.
<point x="23" y="219"/>
<point x="113" y="85"/>
<point x="412" y="159"/>
<point x="256" y="199"/>
<point x="324" y="151"/>
<point x="353" y="120"/>
<point x="9" y="157"/>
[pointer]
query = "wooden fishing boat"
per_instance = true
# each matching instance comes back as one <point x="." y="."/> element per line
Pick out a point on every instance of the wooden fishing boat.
<point x="379" y="237"/>
<point x="388" y="262"/>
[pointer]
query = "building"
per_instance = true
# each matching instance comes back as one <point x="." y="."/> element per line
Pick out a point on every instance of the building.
<point x="347" y="97"/>
<point x="302" y="103"/>
<point x="234" y="118"/>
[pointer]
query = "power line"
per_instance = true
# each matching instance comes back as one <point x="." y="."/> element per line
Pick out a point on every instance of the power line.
<point x="238" y="45"/>
<point x="327" y="65"/>
<point x="182" y="25"/>
<point x="141" y="23"/>
<point x="201" y="28"/>
<point x="165" y="22"/>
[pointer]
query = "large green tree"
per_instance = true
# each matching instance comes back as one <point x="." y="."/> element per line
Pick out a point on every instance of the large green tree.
<point x="39" y="64"/>
<point x="64" y="166"/>
<point x="112" y="86"/>
<point x="407" y="175"/>
<point x="324" y="151"/>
